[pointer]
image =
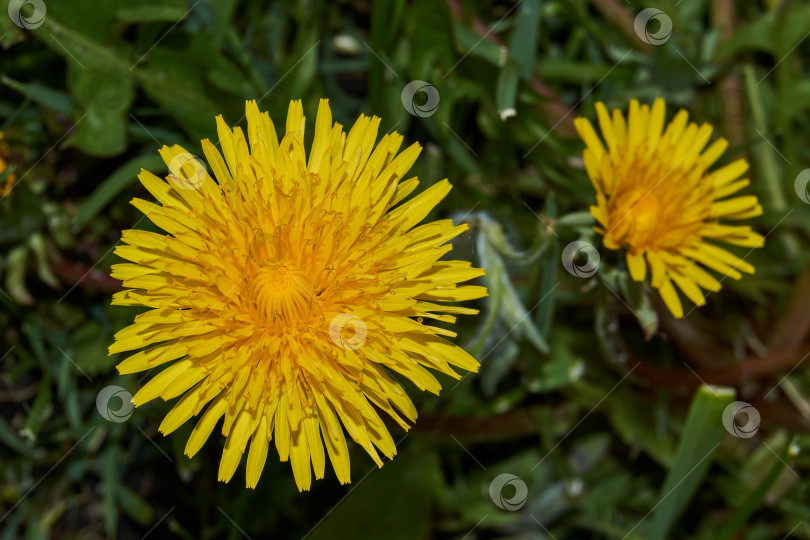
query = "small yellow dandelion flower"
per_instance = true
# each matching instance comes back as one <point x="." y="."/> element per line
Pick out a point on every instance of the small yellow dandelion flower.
<point x="290" y="290"/>
<point x="656" y="199"/>
<point x="5" y="187"/>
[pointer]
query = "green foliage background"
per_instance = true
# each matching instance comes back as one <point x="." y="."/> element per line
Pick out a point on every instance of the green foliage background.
<point x="588" y="392"/>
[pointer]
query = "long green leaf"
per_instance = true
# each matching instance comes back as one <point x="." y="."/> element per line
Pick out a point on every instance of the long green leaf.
<point x="506" y="89"/>
<point x="47" y="97"/>
<point x="765" y="157"/>
<point x="755" y="497"/>
<point x="700" y="438"/>
<point x="544" y="313"/>
<point x="523" y="41"/>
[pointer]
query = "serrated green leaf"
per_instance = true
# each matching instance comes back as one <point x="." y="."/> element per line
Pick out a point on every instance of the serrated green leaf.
<point x="103" y="97"/>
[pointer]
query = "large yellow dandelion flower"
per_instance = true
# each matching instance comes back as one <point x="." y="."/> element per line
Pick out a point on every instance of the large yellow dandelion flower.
<point x="656" y="199"/>
<point x="289" y="292"/>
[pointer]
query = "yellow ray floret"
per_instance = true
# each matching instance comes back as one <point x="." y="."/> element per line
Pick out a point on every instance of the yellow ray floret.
<point x="657" y="200"/>
<point x="288" y="289"/>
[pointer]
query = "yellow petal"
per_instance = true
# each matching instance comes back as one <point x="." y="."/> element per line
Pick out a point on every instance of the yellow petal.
<point x="670" y="297"/>
<point x="637" y="266"/>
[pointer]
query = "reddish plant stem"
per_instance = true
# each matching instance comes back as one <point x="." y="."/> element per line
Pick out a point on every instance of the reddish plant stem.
<point x="694" y="345"/>
<point x="509" y="425"/>
<point x="615" y="12"/>
<point x="73" y="273"/>
<point x="793" y="326"/>
<point x="730" y="376"/>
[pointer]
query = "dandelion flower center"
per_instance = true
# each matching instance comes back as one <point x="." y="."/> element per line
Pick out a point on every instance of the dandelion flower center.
<point x="282" y="293"/>
<point x="638" y="231"/>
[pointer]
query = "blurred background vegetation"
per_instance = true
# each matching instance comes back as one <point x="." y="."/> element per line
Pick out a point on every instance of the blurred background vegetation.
<point x="586" y="383"/>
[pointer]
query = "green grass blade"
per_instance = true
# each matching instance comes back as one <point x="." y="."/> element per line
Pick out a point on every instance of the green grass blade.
<point x="700" y="438"/>
<point x="755" y="498"/>
<point x="550" y="264"/>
